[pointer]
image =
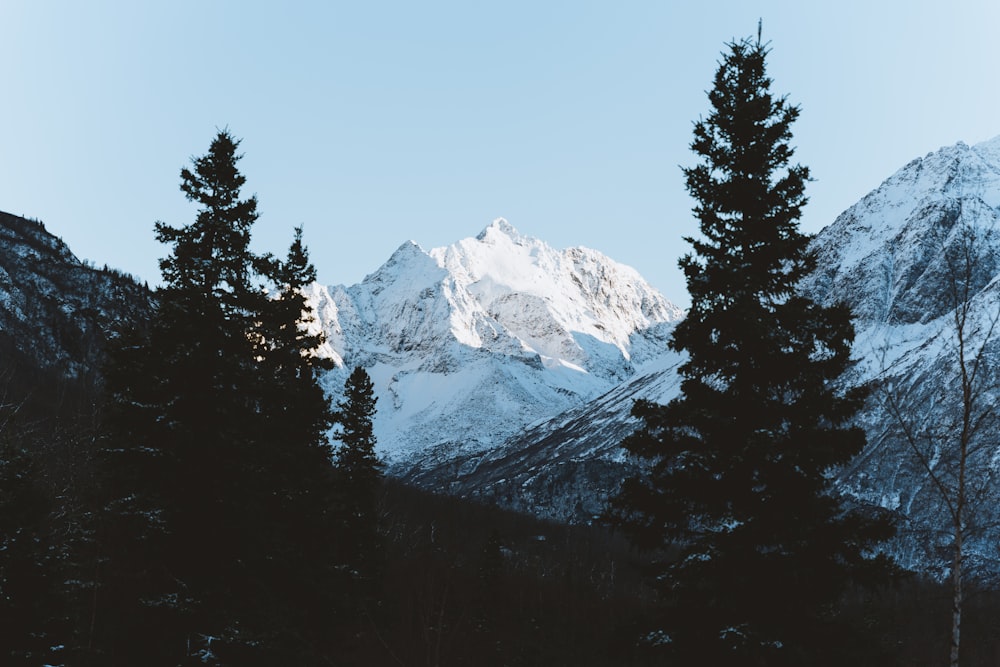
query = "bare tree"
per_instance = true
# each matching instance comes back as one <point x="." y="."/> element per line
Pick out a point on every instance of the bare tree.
<point x="945" y="413"/>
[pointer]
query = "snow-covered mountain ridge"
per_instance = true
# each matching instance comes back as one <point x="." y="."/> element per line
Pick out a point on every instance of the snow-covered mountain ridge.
<point x="469" y="344"/>
<point x="892" y="258"/>
<point x="883" y="255"/>
<point x="927" y="239"/>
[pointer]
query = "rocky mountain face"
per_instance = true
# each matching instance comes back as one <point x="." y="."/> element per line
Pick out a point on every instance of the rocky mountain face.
<point x="470" y="344"/>
<point x="56" y="311"/>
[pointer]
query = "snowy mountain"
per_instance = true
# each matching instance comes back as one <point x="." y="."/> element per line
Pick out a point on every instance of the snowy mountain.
<point x="562" y="468"/>
<point x="903" y="257"/>
<point x="893" y="258"/>
<point x="469" y="344"/>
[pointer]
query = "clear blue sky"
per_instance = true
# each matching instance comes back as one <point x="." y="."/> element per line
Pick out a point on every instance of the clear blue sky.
<point x="371" y="123"/>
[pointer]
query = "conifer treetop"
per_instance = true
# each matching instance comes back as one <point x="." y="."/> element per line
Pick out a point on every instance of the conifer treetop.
<point x="749" y="199"/>
<point x="213" y="251"/>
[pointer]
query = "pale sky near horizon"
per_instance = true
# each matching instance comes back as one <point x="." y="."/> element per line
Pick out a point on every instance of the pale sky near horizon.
<point x="373" y="123"/>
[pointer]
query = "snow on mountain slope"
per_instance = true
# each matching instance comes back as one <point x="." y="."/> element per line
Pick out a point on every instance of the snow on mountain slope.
<point x="563" y="468"/>
<point x="891" y="257"/>
<point x="896" y="258"/>
<point x="469" y="344"/>
<point x="553" y="301"/>
<point x="884" y="255"/>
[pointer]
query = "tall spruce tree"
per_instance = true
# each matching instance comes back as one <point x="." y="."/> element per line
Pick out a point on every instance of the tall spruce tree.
<point x="359" y="470"/>
<point x="303" y="568"/>
<point x="218" y="518"/>
<point x="737" y="487"/>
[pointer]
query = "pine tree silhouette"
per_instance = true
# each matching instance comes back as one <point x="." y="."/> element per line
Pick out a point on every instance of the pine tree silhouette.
<point x="738" y="465"/>
<point x="360" y="470"/>
<point x="219" y="524"/>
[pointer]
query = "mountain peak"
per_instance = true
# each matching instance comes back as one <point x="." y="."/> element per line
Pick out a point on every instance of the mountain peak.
<point x="469" y="342"/>
<point x="499" y="228"/>
<point x="899" y="236"/>
<point x="408" y="249"/>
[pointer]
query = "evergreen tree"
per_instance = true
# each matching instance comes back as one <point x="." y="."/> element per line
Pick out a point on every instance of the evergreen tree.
<point x="359" y="469"/>
<point x="303" y="566"/>
<point x="737" y="480"/>
<point x="290" y="357"/>
<point x="218" y="516"/>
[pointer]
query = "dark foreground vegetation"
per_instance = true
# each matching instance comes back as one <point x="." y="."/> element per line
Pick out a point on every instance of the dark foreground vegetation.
<point x="553" y="594"/>
<point x="580" y="595"/>
<point x="466" y="584"/>
<point x="458" y="583"/>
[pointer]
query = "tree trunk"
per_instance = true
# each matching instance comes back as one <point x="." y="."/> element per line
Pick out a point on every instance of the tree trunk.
<point x="956" y="602"/>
